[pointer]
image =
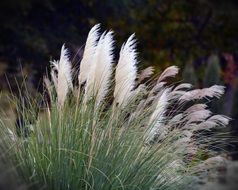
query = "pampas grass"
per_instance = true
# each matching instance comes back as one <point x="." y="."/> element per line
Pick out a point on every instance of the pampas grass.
<point x="98" y="80"/>
<point x="126" y="72"/>
<point x="63" y="80"/>
<point x="89" y="51"/>
<point x="115" y="133"/>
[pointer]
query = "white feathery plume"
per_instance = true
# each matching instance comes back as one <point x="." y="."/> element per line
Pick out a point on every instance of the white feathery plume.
<point x="64" y="80"/>
<point x="198" y="116"/>
<point x="89" y="51"/>
<point x="191" y="95"/>
<point x="183" y="86"/>
<point x="160" y="107"/>
<point x="64" y="71"/>
<point x="179" y="91"/>
<point x="175" y="95"/>
<point x="157" y="117"/>
<point x="99" y="78"/>
<point x="90" y="82"/>
<point x="126" y="72"/>
<point x="169" y="72"/>
<point x="196" y="107"/>
<point x="146" y="73"/>
<point x="221" y="120"/>
<point x="206" y="125"/>
<point x="213" y="121"/>
<point x="158" y="87"/>
<point x="213" y="91"/>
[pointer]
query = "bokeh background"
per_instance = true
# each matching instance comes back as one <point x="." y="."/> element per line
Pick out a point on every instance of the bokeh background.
<point x="199" y="36"/>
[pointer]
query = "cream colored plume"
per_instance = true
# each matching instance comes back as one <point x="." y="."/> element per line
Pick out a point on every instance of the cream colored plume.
<point x="99" y="76"/>
<point x="196" y="107"/>
<point x="146" y="73"/>
<point x="169" y="72"/>
<point x="126" y="72"/>
<point x="89" y="51"/>
<point x="158" y="116"/>
<point x="213" y="91"/>
<point x="185" y="86"/>
<point x="198" y="116"/>
<point x="220" y="120"/>
<point x="63" y="82"/>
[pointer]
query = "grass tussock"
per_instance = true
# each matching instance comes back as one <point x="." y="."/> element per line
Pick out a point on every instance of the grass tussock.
<point x="112" y="131"/>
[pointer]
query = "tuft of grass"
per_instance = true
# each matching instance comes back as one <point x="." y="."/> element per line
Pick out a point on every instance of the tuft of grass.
<point x="81" y="147"/>
<point x="141" y="136"/>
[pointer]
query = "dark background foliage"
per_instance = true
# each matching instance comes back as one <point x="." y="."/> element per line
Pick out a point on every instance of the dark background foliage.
<point x="168" y="31"/>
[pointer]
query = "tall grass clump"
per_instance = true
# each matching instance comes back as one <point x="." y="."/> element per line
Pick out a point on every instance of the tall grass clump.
<point x="116" y="129"/>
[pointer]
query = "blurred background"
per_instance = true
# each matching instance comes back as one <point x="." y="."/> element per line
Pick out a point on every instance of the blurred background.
<point x="199" y="36"/>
